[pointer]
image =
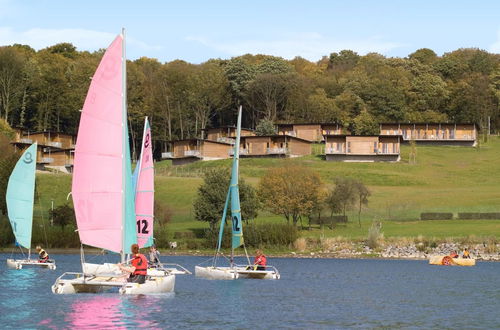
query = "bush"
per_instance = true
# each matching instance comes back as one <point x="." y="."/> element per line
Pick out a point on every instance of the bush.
<point x="257" y="236"/>
<point x="436" y="216"/>
<point x="478" y="216"/>
<point x="374" y="235"/>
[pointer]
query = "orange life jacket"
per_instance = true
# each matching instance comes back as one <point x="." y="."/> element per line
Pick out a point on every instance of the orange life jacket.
<point x="260" y="260"/>
<point x="141" y="264"/>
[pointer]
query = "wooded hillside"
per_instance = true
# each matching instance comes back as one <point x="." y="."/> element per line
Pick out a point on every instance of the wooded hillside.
<point x="44" y="90"/>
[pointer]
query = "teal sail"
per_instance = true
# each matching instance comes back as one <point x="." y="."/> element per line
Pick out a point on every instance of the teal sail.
<point x="128" y="221"/>
<point x="20" y="196"/>
<point x="223" y="220"/>
<point x="237" y="229"/>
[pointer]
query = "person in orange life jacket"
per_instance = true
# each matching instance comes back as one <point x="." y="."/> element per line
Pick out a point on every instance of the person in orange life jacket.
<point x="42" y="255"/>
<point x="138" y="268"/>
<point x="260" y="260"/>
<point x="454" y="254"/>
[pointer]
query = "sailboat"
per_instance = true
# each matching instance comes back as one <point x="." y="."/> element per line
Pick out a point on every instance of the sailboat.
<point x="143" y="183"/>
<point x="102" y="188"/>
<point x="234" y="271"/>
<point x="20" y="200"/>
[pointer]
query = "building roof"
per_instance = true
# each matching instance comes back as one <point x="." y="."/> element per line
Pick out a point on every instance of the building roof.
<point x="43" y="132"/>
<point x="276" y="136"/>
<point x="228" y="126"/>
<point x="350" y="135"/>
<point x="202" y="140"/>
<point x="297" y="124"/>
<point x="418" y="123"/>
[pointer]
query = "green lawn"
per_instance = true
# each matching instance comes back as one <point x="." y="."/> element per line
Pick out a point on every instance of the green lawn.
<point x="445" y="179"/>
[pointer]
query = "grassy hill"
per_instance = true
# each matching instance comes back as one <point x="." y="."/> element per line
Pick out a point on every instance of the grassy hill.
<point x="444" y="179"/>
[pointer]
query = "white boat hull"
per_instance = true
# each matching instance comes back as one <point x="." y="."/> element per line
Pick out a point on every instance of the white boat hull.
<point x="216" y="273"/>
<point x="243" y="272"/>
<point x="97" y="284"/>
<point x="20" y="263"/>
<point x="108" y="269"/>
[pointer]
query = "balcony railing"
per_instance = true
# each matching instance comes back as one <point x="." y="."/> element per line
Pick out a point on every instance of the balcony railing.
<point x="275" y="151"/>
<point x="225" y="140"/>
<point x="195" y="153"/>
<point x="334" y="151"/>
<point x="46" y="160"/>
<point x="291" y="133"/>
<point x="242" y="152"/>
<point x="54" y="144"/>
<point x="25" y="140"/>
<point x="165" y="155"/>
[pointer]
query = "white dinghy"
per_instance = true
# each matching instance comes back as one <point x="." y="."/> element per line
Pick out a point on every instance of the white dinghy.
<point x="20" y="201"/>
<point x="234" y="271"/>
<point x="104" y="194"/>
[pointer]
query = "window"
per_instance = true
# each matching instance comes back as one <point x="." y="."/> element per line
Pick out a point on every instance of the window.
<point x="375" y="147"/>
<point x="348" y="147"/>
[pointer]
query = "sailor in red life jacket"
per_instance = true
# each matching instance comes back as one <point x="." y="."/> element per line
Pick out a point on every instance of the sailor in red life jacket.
<point x="138" y="268"/>
<point x="260" y="260"/>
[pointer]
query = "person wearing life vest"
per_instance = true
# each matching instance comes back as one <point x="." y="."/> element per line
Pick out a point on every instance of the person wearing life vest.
<point x="454" y="254"/>
<point x="42" y="255"/>
<point x="139" y="266"/>
<point x="154" y="257"/>
<point x="466" y="254"/>
<point x="260" y="260"/>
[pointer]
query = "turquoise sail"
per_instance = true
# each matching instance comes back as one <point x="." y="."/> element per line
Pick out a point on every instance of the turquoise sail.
<point x="237" y="229"/>
<point x="128" y="220"/>
<point x="223" y="220"/>
<point x="20" y="196"/>
<point x="129" y="233"/>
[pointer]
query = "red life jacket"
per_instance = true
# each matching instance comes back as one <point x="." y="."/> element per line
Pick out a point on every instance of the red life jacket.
<point x="260" y="260"/>
<point x="141" y="264"/>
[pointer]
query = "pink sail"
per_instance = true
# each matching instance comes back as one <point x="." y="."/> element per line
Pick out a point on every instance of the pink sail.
<point x="97" y="177"/>
<point x="144" y="197"/>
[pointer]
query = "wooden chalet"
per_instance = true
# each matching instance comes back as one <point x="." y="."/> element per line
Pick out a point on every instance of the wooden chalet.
<point x="55" y="149"/>
<point x="191" y="150"/>
<point x="273" y="146"/>
<point x="435" y="134"/>
<point x="313" y="132"/>
<point x="225" y="133"/>
<point x="374" y="148"/>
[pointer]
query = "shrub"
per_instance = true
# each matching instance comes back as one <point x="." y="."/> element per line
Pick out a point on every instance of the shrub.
<point x="300" y="244"/>
<point x="477" y="216"/>
<point x="436" y="216"/>
<point x="374" y="235"/>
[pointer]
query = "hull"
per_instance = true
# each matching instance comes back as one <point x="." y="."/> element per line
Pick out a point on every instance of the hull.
<point x="112" y="269"/>
<point x="216" y="273"/>
<point x="20" y="263"/>
<point x="243" y="272"/>
<point x="97" y="284"/>
<point x="448" y="261"/>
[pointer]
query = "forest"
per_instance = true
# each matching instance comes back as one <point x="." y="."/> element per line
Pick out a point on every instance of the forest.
<point x="45" y="90"/>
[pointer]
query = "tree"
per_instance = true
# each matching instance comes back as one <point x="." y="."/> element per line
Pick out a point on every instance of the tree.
<point x="12" y="64"/>
<point x="63" y="215"/>
<point x="265" y="127"/>
<point x="365" y="124"/>
<point x="424" y="56"/>
<point x="362" y="193"/>
<point x="209" y="203"/>
<point x="291" y="198"/>
<point x="343" y="196"/>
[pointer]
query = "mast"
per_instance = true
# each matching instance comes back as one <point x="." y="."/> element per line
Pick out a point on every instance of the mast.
<point x="237" y="230"/>
<point x="125" y="144"/>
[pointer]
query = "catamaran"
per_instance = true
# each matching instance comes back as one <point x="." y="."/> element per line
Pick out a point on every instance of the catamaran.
<point x="234" y="271"/>
<point x="102" y="187"/>
<point x="20" y="200"/>
<point x="143" y="183"/>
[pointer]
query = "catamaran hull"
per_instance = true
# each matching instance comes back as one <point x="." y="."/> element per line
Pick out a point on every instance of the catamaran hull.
<point x="448" y="261"/>
<point x="81" y="284"/>
<point x="216" y="273"/>
<point x="19" y="264"/>
<point x="258" y="274"/>
<point x="108" y="268"/>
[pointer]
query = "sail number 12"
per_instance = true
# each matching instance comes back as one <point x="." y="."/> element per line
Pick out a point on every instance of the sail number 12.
<point x="144" y="224"/>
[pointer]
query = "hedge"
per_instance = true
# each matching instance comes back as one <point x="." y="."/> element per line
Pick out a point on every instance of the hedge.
<point x="436" y="216"/>
<point x="477" y="216"/>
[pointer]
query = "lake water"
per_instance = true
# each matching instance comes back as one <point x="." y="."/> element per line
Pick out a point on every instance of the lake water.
<point x="312" y="294"/>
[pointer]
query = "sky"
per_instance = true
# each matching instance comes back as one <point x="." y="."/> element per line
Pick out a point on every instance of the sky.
<point x="196" y="30"/>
